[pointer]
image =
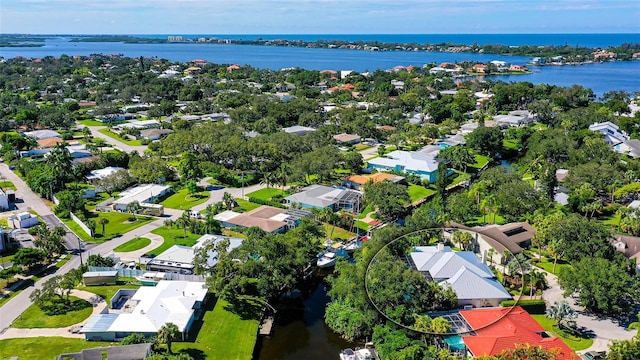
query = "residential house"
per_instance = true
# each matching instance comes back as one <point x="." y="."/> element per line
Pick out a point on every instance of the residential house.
<point x="22" y="220"/>
<point x="498" y="329"/>
<point x="180" y="259"/>
<point x="42" y="134"/>
<point x="324" y="197"/>
<point x="410" y="162"/>
<point x="145" y="195"/>
<point x="515" y="118"/>
<point x="612" y="133"/>
<point x="479" y="68"/>
<point x="298" y="130"/>
<point x="125" y="352"/>
<point x="4" y="200"/>
<point x="512" y="237"/>
<point x="138" y="124"/>
<point x="268" y="218"/>
<point x="397" y="84"/>
<point x="147" y="309"/>
<point x="155" y="134"/>
<point x="501" y="66"/>
<point x="629" y="147"/>
<point x="49" y="142"/>
<point x="100" y="174"/>
<point x="629" y="246"/>
<point x="472" y="281"/>
<point x="452" y="140"/>
<point x="357" y="182"/>
<point x="347" y="139"/>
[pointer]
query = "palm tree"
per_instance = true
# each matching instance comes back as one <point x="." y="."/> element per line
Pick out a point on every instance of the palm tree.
<point x="537" y="280"/>
<point x="103" y="221"/>
<point x="562" y="313"/>
<point x="167" y="333"/>
<point x="283" y="175"/>
<point x="183" y="221"/>
<point x="227" y="200"/>
<point x="92" y="227"/>
<point x="133" y="207"/>
<point x="490" y="254"/>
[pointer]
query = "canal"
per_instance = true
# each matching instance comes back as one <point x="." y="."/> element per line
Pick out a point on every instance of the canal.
<point x="300" y="331"/>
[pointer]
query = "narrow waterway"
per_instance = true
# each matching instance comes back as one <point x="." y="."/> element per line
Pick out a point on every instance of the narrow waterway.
<point x="300" y="331"/>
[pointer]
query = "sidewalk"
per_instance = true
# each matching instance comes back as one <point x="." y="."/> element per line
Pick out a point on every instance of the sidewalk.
<point x="156" y="240"/>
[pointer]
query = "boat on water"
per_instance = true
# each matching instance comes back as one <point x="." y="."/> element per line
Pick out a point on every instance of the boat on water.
<point x="329" y="258"/>
<point x="357" y="354"/>
<point x="352" y="246"/>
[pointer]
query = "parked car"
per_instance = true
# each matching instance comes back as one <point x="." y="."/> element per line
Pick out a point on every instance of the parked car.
<point x="593" y="355"/>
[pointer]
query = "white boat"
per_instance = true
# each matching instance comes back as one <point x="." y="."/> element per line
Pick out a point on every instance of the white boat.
<point x="327" y="259"/>
<point x="357" y="354"/>
<point x="352" y="246"/>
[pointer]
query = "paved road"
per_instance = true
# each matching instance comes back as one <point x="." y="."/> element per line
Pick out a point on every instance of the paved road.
<point x="113" y="142"/>
<point x="604" y="329"/>
<point x="216" y="195"/>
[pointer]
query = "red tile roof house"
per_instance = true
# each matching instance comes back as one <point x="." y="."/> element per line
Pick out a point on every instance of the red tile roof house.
<point x="498" y="329"/>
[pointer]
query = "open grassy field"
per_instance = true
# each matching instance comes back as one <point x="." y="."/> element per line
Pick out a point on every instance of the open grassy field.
<point x="115" y="136"/>
<point x="118" y="224"/>
<point x="173" y="236"/>
<point x="181" y="200"/>
<point x="39" y="348"/>
<point x="35" y="317"/>
<point x="574" y="341"/>
<point x="223" y="333"/>
<point x="133" y="245"/>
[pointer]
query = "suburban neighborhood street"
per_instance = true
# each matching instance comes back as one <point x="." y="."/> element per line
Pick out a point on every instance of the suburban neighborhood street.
<point x="113" y="142"/>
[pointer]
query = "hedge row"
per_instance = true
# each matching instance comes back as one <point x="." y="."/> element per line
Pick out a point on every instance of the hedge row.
<point x="531" y="306"/>
<point x="266" y="202"/>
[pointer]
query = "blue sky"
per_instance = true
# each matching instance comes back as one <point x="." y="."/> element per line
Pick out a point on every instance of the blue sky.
<point x="318" y="16"/>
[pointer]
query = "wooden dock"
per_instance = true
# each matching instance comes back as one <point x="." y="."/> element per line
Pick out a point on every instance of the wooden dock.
<point x="267" y="326"/>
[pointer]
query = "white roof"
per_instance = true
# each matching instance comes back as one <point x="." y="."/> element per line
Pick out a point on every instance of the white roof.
<point x="168" y="301"/>
<point x="469" y="285"/>
<point x="213" y="255"/>
<point x="139" y="124"/>
<point x="410" y="160"/>
<point x="297" y="129"/>
<point x="141" y="193"/>
<point x="445" y="264"/>
<point x="635" y="204"/>
<point x="103" y="173"/>
<point x="43" y="134"/>
<point x="176" y="256"/>
<point x="226" y="215"/>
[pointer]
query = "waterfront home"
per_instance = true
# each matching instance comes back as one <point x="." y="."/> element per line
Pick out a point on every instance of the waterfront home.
<point x="499" y="329"/>
<point x="324" y="197"/>
<point x="612" y="133"/>
<point x="268" y="218"/>
<point x="515" y="118"/>
<point x="147" y="309"/>
<point x="472" y="281"/>
<point x="410" y="162"/>
<point x="357" y="182"/>
<point x="452" y="140"/>
<point x="512" y="237"/>
<point x="629" y="147"/>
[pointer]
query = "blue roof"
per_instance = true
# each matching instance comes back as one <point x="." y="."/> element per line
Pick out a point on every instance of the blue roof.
<point x="99" y="323"/>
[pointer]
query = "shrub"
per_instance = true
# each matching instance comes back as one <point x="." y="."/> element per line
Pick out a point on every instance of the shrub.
<point x="531" y="306"/>
<point x="266" y="202"/>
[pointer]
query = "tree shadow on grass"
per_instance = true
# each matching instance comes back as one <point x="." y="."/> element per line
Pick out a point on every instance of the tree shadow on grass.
<point x="62" y="306"/>
<point x="248" y="308"/>
<point x="196" y="354"/>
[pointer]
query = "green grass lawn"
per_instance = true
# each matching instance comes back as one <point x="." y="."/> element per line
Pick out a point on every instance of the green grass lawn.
<point x="547" y="265"/>
<point x="360" y="147"/>
<point x="34" y="317"/>
<point x="365" y="211"/>
<point x="491" y="218"/>
<point x="181" y="200"/>
<point x="574" y="341"/>
<point x="118" y="225"/>
<point x="456" y="178"/>
<point x="133" y="245"/>
<point x="361" y="225"/>
<point x="115" y="136"/>
<point x="92" y="203"/>
<point x="481" y="161"/>
<point x="7" y="185"/>
<point x="223" y="334"/>
<point x="92" y="123"/>
<point x="338" y="233"/>
<point x="511" y="144"/>
<point x="107" y="291"/>
<point x="539" y="126"/>
<point x="38" y="348"/>
<point x="417" y="192"/>
<point x="267" y="194"/>
<point x="246" y="205"/>
<point x="173" y="236"/>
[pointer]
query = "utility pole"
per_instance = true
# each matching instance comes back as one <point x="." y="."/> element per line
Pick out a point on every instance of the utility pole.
<point x="80" y="251"/>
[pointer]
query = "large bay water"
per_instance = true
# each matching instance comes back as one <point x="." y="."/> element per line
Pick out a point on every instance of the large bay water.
<point x="599" y="77"/>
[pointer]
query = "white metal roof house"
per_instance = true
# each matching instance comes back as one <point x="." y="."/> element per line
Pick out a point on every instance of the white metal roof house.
<point x="612" y="133"/>
<point x="298" y="130"/>
<point x="472" y="281"/>
<point x="145" y="195"/>
<point x="100" y="174"/>
<point x="147" y="310"/>
<point x="43" y="134"/>
<point x="411" y="162"/>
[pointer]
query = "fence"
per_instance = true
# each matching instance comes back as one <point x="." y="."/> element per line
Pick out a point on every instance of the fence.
<point x="81" y="224"/>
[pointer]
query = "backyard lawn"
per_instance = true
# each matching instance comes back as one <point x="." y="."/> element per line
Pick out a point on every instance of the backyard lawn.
<point x="34" y="317"/>
<point x="417" y="192"/>
<point x="173" y="236"/>
<point x="133" y="245"/>
<point x="337" y="233"/>
<point x="574" y="341"/>
<point x="223" y="334"/>
<point x="547" y="264"/>
<point x="181" y="200"/>
<point x="38" y="348"/>
<point x="481" y="161"/>
<point x="115" y="136"/>
<point x="118" y="224"/>
<point x="246" y="205"/>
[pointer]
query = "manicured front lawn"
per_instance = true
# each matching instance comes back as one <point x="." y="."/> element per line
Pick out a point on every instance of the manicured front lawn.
<point x="38" y="348"/>
<point x="7" y="185"/>
<point x="267" y="194"/>
<point x="547" y="265"/>
<point x="417" y="192"/>
<point x="107" y="291"/>
<point x="182" y="200"/>
<point x="360" y="147"/>
<point x="115" y="136"/>
<point x="173" y="236"/>
<point x="246" y="205"/>
<point x="118" y="224"/>
<point x="92" y="123"/>
<point x="337" y="232"/>
<point x="575" y="342"/>
<point x="223" y="334"/>
<point x="34" y="317"/>
<point x="133" y="245"/>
